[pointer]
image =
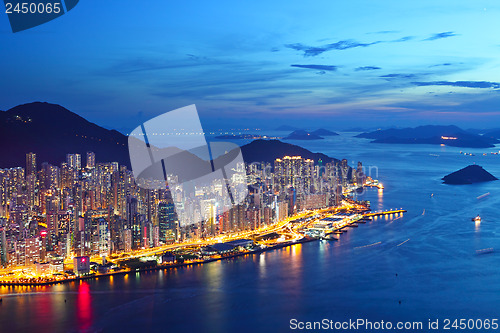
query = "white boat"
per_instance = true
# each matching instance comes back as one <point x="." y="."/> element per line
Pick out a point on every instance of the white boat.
<point x="477" y="218"/>
<point x="485" y="251"/>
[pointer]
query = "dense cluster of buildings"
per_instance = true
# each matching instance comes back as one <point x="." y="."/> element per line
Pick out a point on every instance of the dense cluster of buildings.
<point x="49" y="213"/>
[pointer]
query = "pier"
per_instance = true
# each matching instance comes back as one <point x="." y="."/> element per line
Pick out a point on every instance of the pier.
<point x="387" y="212"/>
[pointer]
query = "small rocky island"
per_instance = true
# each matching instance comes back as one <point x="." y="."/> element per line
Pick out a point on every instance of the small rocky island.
<point x="469" y="175"/>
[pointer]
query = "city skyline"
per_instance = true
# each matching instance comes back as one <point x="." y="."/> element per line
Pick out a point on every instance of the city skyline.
<point x="53" y="213"/>
<point x="345" y="64"/>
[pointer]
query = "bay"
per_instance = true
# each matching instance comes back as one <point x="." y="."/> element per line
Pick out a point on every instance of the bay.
<point x="420" y="266"/>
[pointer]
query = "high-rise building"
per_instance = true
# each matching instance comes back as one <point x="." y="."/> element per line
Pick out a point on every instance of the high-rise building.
<point x="31" y="190"/>
<point x="294" y="171"/>
<point x="237" y="218"/>
<point x="134" y="221"/>
<point x="30" y="164"/>
<point x="74" y="161"/>
<point x="360" y="175"/>
<point x="90" y="160"/>
<point x="32" y="250"/>
<point x="104" y="237"/>
<point x="167" y="222"/>
<point x="50" y="176"/>
<point x="127" y="240"/>
<point x="253" y="216"/>
<point x="156" y="236"/>
<point x="3" y="247"/>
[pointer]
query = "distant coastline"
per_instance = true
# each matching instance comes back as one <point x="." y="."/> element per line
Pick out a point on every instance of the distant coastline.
<point x="435" y="135"/>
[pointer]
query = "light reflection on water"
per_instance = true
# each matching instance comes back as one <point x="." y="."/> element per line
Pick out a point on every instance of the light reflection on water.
<point x="380" y="199"/>
<point x="84" y="307"/>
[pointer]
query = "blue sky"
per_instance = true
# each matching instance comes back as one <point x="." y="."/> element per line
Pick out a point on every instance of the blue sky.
<point x="340" y="64"/>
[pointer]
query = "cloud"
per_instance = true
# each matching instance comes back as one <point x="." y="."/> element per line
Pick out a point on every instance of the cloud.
<point x="384" y="32"/>
<point x="311" y="51"/>
<point x="442" y="35"/>
<point x="403" y="39"/>
<point x="399" y="76"/>
<point x="134" y="65"/>
<point x="443" y="64"/>
<point x="367" y="68"/>
<point x="318" y="67"/>
<point x="464" y="84"/>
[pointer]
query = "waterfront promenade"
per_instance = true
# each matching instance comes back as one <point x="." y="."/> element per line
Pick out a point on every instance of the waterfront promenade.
<point x="290" y="231"/>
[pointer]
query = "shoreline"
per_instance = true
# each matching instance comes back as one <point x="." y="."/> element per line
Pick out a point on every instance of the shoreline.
<point x="159" y="267"/>
<point x="305" y="239"/>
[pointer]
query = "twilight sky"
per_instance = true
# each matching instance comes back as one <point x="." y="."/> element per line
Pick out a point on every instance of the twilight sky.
<point x="261" y="64"/>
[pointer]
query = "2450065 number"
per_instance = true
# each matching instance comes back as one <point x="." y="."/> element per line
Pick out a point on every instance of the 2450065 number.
<point x="470" y="324"/>
<point x="33" y="8"/>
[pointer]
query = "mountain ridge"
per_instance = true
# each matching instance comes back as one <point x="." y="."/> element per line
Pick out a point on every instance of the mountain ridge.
<point x="273" y="149"/>
<point x="52" y="131"/>
<point x="302" y="135"/>
<point x="430" y="134"/>
<point x="324" y="132"/>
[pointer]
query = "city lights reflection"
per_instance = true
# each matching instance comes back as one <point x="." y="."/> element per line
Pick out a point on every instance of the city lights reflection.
<point x="84" y="307"/>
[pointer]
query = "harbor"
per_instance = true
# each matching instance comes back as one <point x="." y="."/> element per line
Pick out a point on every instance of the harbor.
<point x="322" y="224"/>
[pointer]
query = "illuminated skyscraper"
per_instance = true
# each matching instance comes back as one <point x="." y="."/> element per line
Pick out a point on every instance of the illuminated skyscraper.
<point x="127" y="240"/>
<point x="237" y="218"/>
<point x="49" y="176"/>
<point x="90" y="160"/>
<point x="31" y="250"/>
<point x="31" y="189"/>
<point x="134" y="220"/>
<point x="30" y="164"/>
<point x="360" y="175"/>
<point x="167" y="222"/>
<point x="3" y="247"/>
<point x="74" y="161"/>
<point x="104" y="238"/>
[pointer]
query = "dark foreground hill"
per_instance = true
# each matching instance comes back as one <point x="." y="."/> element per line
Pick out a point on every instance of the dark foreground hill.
<point x="469" y="175"/>
<point x="269" y="150"/>
<point x="52" y="131"/>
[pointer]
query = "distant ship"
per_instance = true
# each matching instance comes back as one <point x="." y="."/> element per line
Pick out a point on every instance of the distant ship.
<point x="485" y="251"/>
<point x="477" y="218"/>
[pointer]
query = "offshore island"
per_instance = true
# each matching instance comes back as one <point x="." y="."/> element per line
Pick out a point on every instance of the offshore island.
<point x="469" y="175"/>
